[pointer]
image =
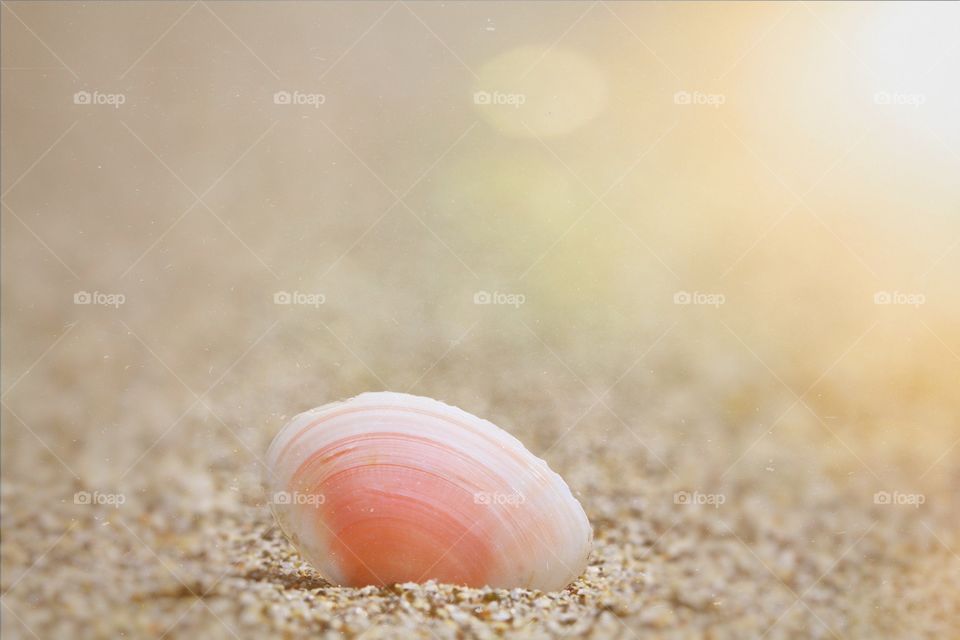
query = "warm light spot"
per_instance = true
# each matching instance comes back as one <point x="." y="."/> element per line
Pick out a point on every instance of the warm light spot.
<point x="539" y="91"/>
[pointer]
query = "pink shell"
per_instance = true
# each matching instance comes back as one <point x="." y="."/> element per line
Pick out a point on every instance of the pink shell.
<point x="389" y="487"/>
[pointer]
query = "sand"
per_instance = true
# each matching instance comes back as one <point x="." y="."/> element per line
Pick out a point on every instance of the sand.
<point x="194" y="552"/>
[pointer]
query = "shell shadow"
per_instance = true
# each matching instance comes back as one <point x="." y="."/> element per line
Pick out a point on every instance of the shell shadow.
<point x="289" y="580"/>
<point x="270" y="572"/>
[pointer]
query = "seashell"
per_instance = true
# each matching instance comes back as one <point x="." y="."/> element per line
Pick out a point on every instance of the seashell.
<point x="389" y="488"/>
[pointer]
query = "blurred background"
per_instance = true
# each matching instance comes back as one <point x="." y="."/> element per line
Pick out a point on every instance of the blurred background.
<point x="701" y="247"/>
